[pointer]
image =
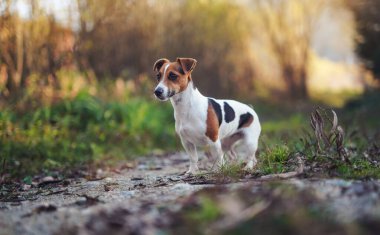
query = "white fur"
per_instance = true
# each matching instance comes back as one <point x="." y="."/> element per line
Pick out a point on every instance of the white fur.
<point x="161" y="84"/>
<point x="166" y="68"/>
<point x="190" y="113"/>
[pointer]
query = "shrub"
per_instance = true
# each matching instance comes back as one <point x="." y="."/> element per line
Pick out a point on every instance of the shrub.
<point x="83" y="130"/>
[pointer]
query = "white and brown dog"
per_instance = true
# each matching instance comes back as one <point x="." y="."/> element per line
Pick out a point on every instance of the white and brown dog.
<point x="226" y="126"/>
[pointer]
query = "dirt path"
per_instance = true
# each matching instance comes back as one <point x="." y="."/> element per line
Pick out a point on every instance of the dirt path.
<point x="153" y="197"/>
<point x="71" y="205"/>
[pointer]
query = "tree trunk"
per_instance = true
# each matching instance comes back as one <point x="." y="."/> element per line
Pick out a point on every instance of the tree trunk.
<point x="288" y="74"/>
<point x="295" y="82"/>
<point x="19" y="53"/>
<point x="304" y="94"/>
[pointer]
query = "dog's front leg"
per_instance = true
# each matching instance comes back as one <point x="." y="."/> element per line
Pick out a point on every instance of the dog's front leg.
<point x="191" y="150"/>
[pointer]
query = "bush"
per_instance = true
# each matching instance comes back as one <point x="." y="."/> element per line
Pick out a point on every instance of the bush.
<point x="83" y="130"/>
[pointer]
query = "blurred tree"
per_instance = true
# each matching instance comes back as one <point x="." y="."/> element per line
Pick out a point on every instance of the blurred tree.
<point x="35" y="45"/>
<point x="116" y="36"/>
<point x="217" y="34"/>
<point x="11" y="45"/>
<point x="287" y="25"/>
<point x="121" y="38"/>
<point x="367" y="13"/>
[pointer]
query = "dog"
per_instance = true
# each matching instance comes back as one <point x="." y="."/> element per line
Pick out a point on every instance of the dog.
<point x="225" y="126"/>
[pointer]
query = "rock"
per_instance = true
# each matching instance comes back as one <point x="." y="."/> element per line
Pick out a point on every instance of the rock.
<point x="26" y="187"/>
<point x="47" y="179"/>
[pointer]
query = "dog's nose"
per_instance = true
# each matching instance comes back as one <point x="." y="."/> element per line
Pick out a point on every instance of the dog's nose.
<point x="158" y="92"/>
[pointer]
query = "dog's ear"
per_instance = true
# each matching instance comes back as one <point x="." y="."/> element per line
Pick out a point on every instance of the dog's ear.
<point x="187" y="64"/>
<point x="157" y="66"/>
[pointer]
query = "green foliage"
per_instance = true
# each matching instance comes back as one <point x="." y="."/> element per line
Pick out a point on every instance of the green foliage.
<point x="354" y="153"/>
<point x="274" y="159"/>
<point x="359" y="169"/>
<point x="83" y="130"/>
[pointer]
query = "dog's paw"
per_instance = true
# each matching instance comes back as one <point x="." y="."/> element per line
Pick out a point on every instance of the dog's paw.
<point x="192" y="171"/>
<point x="249" y="166"/>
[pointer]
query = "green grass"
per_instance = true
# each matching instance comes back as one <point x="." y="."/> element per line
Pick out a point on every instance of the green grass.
<point x="359" y="169"/>
<point x="232" y="170"/>
<point x="90" y="130"/>
<point x="83" y="130"/>
<point x="291" y="123"/>
<point x="274" y="159"/>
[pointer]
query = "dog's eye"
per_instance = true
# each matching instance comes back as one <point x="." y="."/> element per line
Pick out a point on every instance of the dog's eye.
<point x="172" y="76"/>
<point x="158" y="76"/>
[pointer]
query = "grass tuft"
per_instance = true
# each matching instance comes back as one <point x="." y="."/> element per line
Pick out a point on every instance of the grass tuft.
<point x="274" y="159"/>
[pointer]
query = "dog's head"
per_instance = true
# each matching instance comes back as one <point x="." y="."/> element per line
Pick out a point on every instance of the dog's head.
<point x="172" y="77"/>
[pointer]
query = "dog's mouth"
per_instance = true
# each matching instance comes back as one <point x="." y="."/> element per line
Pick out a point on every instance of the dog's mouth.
<point x="163" y="97"/>
<point x="171" y="93"/>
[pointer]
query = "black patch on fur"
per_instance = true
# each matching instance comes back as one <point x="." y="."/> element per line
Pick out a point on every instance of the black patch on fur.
<point x="244" y="118"/>
<point x="218" y="110"/>
<point x="229" y="113"/>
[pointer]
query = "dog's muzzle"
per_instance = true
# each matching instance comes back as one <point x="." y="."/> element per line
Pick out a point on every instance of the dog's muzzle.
<point x="159" y="92"/>
<point x="163" y="93"/>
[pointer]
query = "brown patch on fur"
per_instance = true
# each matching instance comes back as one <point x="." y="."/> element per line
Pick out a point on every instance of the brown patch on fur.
<point x="212" y="124"/>
<point x="180" y="84"/>
<point x="187" y="64"/>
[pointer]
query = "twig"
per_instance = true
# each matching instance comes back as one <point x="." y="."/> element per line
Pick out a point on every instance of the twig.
<point x="286" y="175"/>
<point x="55" y="192"/>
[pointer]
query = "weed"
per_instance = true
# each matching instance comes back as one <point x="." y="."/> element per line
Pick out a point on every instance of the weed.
<point x="274" y="159"/>
<point x="326" y="139"/>
<point x="328" y="152"/>
<point x="232" y="170"/>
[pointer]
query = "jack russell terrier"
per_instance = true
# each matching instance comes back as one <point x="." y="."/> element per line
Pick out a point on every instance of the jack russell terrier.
<point x="226" y="126"/>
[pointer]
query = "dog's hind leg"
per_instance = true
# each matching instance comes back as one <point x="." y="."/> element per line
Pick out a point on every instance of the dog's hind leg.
<point x="251" y="157"/>
<point x="250" y="141"/>
<point x="229" y="143"/>
<point x="231" y="155"/>
<point x="217" y="153"/>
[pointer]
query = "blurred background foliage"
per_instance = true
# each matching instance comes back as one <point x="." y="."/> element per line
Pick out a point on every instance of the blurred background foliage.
<point x="76" y="76"/>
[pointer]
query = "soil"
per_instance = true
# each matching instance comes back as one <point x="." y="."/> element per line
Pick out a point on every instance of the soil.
<point x="152" y="196"/>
